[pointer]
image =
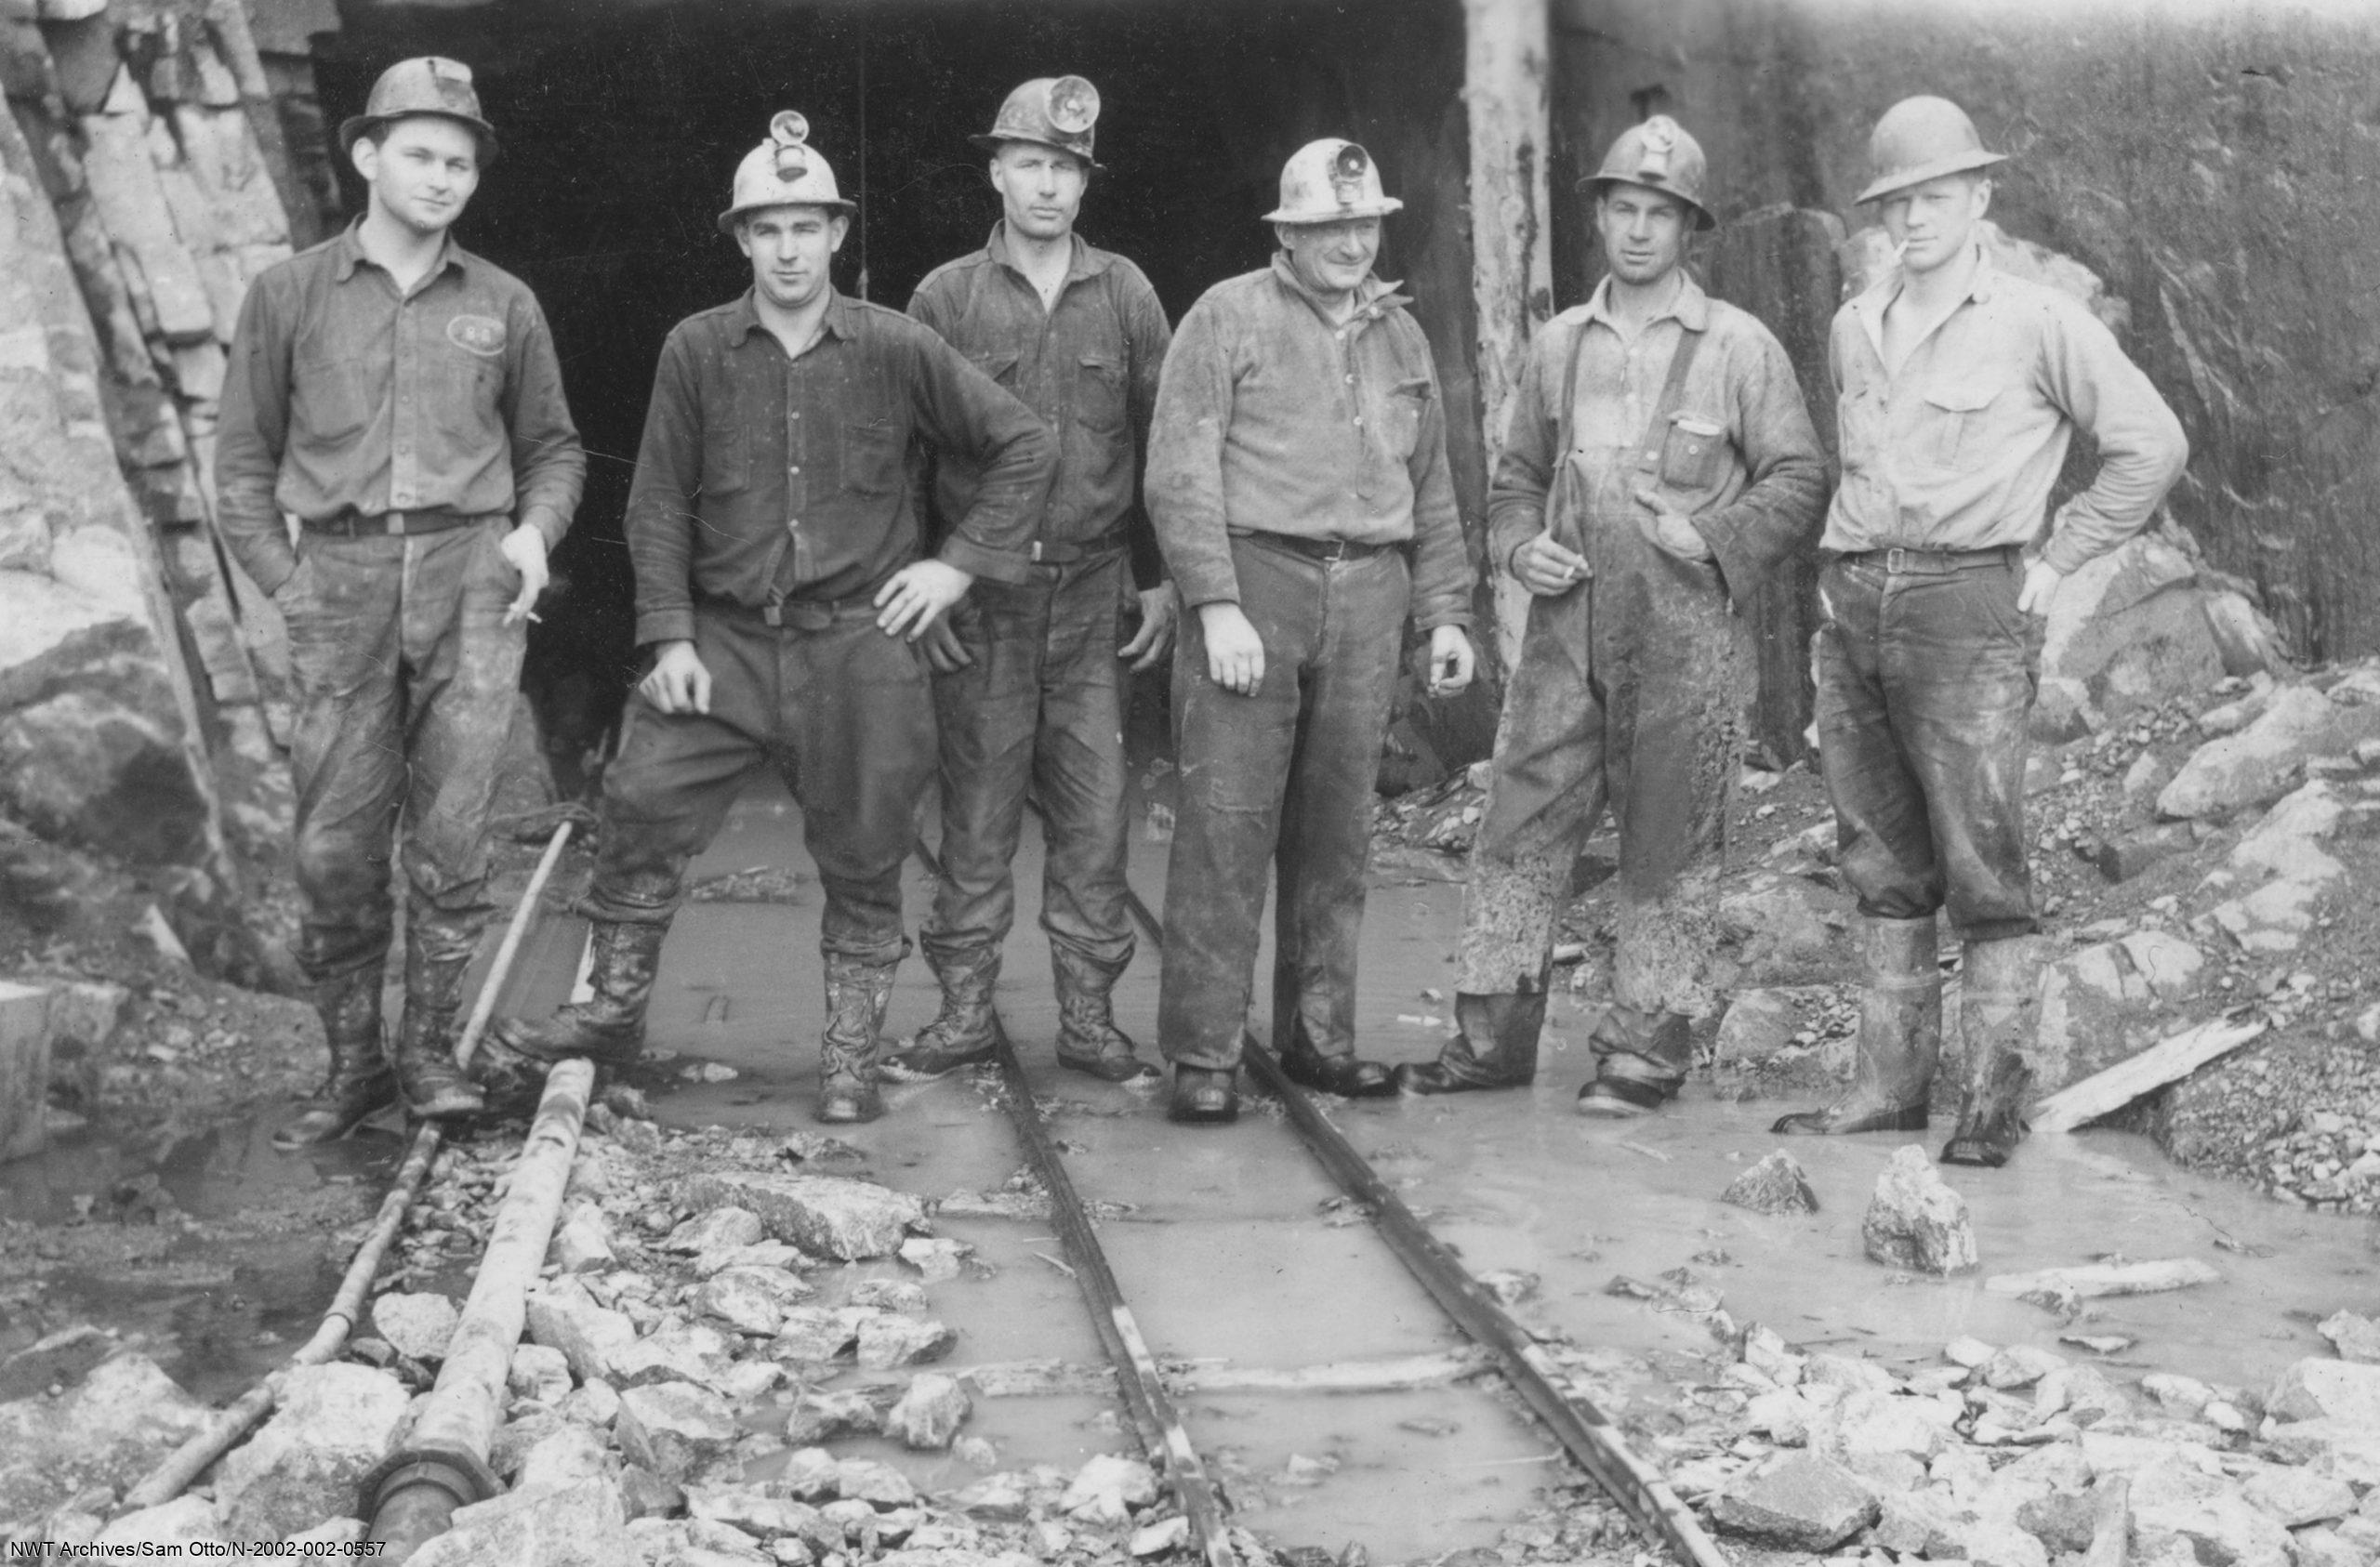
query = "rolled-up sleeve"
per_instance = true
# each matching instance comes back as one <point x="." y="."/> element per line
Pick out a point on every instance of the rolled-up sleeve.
<point x="1185" y="465"/>
<point x="2142" y="448"/>
<point x="963" y="410"/>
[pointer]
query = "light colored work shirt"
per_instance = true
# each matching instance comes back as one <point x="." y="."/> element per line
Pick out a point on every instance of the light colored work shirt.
<point x="1959" y="450"/>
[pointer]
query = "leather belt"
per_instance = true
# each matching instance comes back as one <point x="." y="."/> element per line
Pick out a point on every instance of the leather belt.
<point x="358" y="524"/>
<point x="1933" y="563"/>
<point x="1066" y="552"/>
<point x="1317" y="550"/>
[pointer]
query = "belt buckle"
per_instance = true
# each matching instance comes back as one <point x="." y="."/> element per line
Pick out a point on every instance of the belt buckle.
<point x="1036" y="554"/>
<point x="393" y="522"/>
<point x="1895" y="561"/>
<point x="1337" y="551"/>
<point x="772" y="616"/>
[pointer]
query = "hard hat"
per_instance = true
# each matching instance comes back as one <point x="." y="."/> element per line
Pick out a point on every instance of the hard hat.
<point x="1051" y="111"/>
<point x="429" y="84"/>
<point x="1658" y="155"/>
<point x="1329" y="181"/>
<point x="1921" y="138"/>
<point x="783" y="171"/>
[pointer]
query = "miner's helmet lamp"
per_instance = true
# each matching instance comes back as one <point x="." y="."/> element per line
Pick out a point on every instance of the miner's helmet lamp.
<point x="1057" y="112"/>
<point x="783" y="171"/>
<point x="425" y="85"/>
<point x="1330" y="182"/>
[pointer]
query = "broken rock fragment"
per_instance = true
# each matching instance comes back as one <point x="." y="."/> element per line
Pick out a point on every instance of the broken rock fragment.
<point x="2355" y="1337"/>
<point x="722" y="1228"/>
<point x="1915" y="1221"/>
<point x="333" y="1423"/>
<point x="1107" y="1488"/>
<point x="1798" y="1503"/>
<point x="820" y="1416"/>
<point x="930" y="1414"/>
<point x="890" y="1340"/>
<point x="831" y="1215"/>
<point x="123" y="1416"/>
<point x="563" y="1315"/>
<point x="670" y="1427"/>
<point x="1776" y="1185"/>
<point x="416" y="1326"/>
<point x="751" y="1300"/>
<point x="2314" y="1390"/>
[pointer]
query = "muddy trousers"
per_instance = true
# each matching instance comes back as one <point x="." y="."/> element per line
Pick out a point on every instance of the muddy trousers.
<point x="839" y="708"/>
<point x="1651" y="725"/>
<point x="1280" y="779"/>
<point x="406" y="676"/>
<point x="1042" y="711"/>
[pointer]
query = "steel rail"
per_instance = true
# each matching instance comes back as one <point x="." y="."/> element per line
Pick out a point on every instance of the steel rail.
<point x="1584" y="1431"/>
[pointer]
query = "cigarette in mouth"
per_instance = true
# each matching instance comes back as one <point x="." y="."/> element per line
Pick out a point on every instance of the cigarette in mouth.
<point x="1899" y="251"/>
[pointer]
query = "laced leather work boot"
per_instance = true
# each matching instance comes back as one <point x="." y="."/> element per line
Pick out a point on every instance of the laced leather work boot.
<point x="963" y="1031"/>
<point x="1615" y="1092"/>
<point x="608" y="1027"/>
<point x="1509" y="1024"/>
<point x="1900" y="1036"/>
<point x="857" y="994"/>
<point x="434" y="1087"/>
<point x="1203" y="1096"/>
<point x="359" y="1082"/>
<point x="1997" y="1009"/>
<point x="1349" y="1075"/>
<point x="1088" y="1040"/>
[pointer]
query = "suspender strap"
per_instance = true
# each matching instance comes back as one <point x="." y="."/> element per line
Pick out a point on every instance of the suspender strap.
<point x="1672" y="393"/>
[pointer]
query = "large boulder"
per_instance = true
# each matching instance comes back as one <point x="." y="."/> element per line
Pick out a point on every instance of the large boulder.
<point x="829" y="1216"/>
<point x="2327" y="1389"/>
<point x="2100" y="1004"/>
<point x="581" y="1524"/>
<point x="113" y="1427"/>
<point x="335" y="1422"/>
<point x="2281" y="871"/>
<point x="2261" y="762"/>
<point x="2126" y="631"/>
<point x="1783" y="931"/>
<point x="1798" y="1503"/>
<point x="563" y="1315"/>
<point x="2210" y="1511"/>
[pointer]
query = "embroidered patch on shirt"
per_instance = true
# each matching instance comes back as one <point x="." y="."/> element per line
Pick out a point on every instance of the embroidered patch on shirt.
<point x="480" y="335"/>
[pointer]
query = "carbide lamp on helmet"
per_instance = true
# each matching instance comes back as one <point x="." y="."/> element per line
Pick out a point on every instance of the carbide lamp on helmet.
<point x="1659" y="156"/>
<point x="1331" y="181"/>
<point x="1050" y="112"/>
<point x="427" y="84"/>
<point x="1921" y="138"/>
<point x="783" y="171"/>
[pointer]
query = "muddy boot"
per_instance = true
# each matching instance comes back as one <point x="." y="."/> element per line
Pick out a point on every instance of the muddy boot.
<point x="1202" y="1098"/>
<point x="1997" y="1008"/>
<point x="1088" y="1040"/>
<point x="857" y="992"/>
<point x="963" y="1032"/>
<point x="1640" y="1062"/>
<point x="608" y="1027"/>
<point x="434" y="1087"/>
<point x="1509" y="1025"/>
<point x="360" y="1081"/>
<point x="1900" y="1036"/>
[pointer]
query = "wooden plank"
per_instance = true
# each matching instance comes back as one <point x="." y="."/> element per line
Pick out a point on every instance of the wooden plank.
<point x="2098" y="1280"/>
<point x="2167" y="1062"/>
<point x="24" y="1069"/>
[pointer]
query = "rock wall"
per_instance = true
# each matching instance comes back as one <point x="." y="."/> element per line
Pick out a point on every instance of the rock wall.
<point x="2211" y="162"/>
<point x="141" y="164"/>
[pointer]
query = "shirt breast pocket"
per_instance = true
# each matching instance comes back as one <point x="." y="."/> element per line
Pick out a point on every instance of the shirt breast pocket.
<point x="1099" y="393"/>
<point x="1000" y="366"/>
<point x="1407" y="402"/>
<point x="327" y="400"/>
<point x="1693" y="452"/>
<point x="463" y="401"/>
<point x="1951" y="421"/>
<point x="871" y="452"/>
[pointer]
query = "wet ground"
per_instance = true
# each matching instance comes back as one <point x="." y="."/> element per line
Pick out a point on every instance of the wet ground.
<point x="1230" y="1243"/>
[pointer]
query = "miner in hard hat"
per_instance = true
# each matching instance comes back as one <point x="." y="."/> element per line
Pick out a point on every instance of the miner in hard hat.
<point x="1030" y="680"/>
<point x="1298" y="480"/>
<point x="398" y="397"/>
<point x="783" y="592"/>
<point x="1659" y="468"/>
<point x="1959" y="387"/>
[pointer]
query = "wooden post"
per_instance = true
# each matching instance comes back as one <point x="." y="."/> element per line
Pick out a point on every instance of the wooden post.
<point x="1507" y="54"/>
<point x="24" y="1070"/>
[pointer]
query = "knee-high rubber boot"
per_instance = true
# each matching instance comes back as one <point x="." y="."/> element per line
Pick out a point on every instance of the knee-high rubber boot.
<point x="1901" y="1034"/>
<point x="961" y="1033"/>
<point x="857" y="992"/>
<point x="360" y="1081"/>
<point x="435" y="1088"/>
<point x="608" y="1027"/>
<point x="1495" y="1048"/>
<point x="1998" y="1007"/>
<point x="1088" y="1040"/>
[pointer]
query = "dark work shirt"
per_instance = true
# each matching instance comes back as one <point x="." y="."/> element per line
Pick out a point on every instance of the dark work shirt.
<point x="764" y="478"/>
<point x="1086" y="365"/>
<point x="346" y="396"/>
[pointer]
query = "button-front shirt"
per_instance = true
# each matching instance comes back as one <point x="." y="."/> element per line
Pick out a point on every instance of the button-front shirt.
<point x="763" y="478"/>
<point x="1086" y="365"/>
<point x="1959" y="450"/>
<point x="347" y="395"/>
<point x="1272" y="419"/>
<point x="1754" y="488"/>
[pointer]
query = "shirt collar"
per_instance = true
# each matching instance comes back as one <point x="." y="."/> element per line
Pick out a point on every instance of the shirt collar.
<point x="349" y="250"/>
<point x="1085" y="262"/>
<point x="1374" y="297"/>
<point x="1871" y="303"/>
<point x="1689" y="305"/>
<point x="841" y="315"/>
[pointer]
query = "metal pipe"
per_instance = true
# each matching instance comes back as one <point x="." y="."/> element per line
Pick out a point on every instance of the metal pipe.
<point x="185" y="1463"/>
<point x="444" y="1465"/>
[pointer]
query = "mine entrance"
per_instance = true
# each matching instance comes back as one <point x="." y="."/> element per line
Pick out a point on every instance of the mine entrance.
<point x="622" y="124"/>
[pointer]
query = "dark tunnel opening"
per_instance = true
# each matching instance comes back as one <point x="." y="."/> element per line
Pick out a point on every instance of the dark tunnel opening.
<point x="622" y="124"/>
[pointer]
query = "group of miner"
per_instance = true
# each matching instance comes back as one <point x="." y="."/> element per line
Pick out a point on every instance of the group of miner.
<point x="885" y="551"/>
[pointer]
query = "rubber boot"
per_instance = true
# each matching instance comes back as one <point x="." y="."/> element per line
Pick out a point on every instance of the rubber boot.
<point x="608" y="1027"/>
<point x="1509" y="1023"/>
<point x="1998" y="1004"/>
<point x="1088" y="1040"/>
<point x="359" y="1082"/>
<point x="1640" y="1062"/>
<point x="1900" y="1036"/>
<point x="435" y="1088"/>
<point x="857" y="994"/>
<point x="963" y="1031"/>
